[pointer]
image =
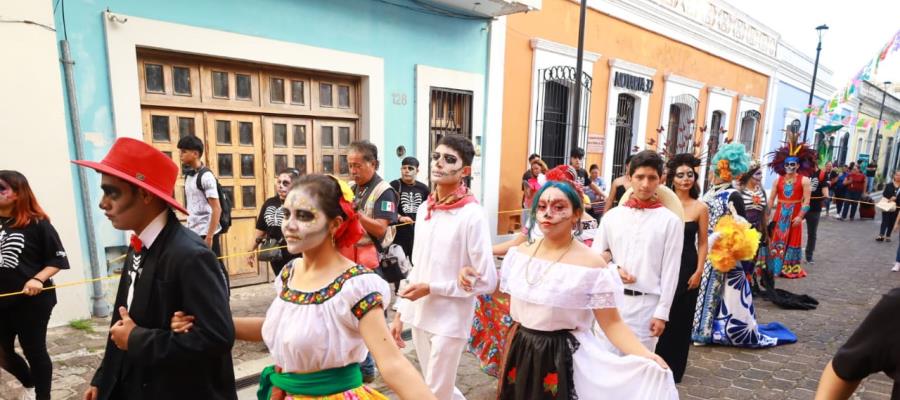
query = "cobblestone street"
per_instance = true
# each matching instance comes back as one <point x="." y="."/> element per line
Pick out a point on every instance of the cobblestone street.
<point x="851" y="273"/>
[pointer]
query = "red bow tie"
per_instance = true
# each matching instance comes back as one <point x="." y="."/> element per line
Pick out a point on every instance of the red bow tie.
<point x="136" y="244"/>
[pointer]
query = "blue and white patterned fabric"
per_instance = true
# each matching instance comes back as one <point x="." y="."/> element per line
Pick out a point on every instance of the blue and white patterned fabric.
<point x="725" y="313"/>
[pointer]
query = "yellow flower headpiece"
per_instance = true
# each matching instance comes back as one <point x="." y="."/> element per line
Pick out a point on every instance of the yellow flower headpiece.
<point x="346" y="191"/>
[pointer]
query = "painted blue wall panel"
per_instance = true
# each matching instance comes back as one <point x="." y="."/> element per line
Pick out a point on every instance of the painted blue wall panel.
<point x="399" y="35"/>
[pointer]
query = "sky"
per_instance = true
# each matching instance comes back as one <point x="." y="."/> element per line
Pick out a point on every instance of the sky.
<point x="857" y="31"/>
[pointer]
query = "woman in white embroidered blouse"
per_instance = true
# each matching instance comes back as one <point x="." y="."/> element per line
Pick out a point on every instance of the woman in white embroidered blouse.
<point x="320" y="324"/>
<point x="558" y="286"/>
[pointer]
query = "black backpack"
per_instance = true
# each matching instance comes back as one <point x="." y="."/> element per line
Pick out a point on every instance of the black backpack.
<point x="224" y="201"/>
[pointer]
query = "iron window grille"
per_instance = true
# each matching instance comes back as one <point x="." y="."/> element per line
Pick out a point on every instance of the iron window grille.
<point x="554" y="114"/>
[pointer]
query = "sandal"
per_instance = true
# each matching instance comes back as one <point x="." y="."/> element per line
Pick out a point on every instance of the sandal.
<point x="879" y="238"/>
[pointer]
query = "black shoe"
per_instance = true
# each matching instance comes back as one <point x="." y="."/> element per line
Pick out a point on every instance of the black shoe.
<point x="879" y="239"/>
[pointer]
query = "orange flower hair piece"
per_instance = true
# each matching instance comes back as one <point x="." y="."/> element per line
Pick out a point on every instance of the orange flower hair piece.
<point x="724" y="170"/>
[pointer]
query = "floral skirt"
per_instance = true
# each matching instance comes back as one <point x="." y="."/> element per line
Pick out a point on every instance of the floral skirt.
<point x="490" y="327"/>
<point x="360" y="393"/>
<point x="539" y="366"/>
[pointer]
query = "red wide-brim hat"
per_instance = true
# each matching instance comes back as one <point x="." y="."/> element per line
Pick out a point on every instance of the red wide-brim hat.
<point x="141" y="165"/>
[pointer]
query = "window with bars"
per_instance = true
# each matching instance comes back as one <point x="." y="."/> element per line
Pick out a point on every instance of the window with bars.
<point x="450" y="113"/>
<point x="555" y="110"/>
<point x="682" y="120"/>
<point x="749" y="123"/>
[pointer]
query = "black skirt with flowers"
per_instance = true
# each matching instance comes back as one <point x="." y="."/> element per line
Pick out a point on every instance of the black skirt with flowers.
<point x="539" y="366"/>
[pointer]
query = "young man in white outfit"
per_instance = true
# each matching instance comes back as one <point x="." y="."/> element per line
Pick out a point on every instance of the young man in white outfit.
<point x="645" y="240"/>
<point x="451" y="235"/>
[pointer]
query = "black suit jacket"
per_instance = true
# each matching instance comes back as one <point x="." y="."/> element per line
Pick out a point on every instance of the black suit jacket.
<point x="179" y="273"/>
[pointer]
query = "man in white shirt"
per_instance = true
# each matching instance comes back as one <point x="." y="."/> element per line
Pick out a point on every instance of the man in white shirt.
<point x="203" y="205"/>
<point x="451" y="235"/>
<point x="645" y="240"/>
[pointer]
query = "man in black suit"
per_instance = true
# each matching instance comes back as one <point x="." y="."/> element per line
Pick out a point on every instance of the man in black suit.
<point x="168" y="269"/>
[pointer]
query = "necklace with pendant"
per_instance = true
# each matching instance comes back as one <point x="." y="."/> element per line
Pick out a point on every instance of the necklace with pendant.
<point x="541" y="277"/>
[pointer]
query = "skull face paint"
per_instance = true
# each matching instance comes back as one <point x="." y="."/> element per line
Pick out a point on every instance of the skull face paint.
<point x="684" y="177"/>
<point x="446" y="166"/>
<point x="554" y="212"/>
<point x="791" y="165"/>
<point x="305" y="226"/>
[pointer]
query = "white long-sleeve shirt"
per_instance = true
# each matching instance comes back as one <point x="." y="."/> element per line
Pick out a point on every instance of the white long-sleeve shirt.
<point x="646" y="243"/>
<point x="444" y="244"/>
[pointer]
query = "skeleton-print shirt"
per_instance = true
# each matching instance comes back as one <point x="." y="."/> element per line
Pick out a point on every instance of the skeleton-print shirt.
<point x="270" y="218"/>
<point x="411" y="197"/>
<point x="26" y="251"/>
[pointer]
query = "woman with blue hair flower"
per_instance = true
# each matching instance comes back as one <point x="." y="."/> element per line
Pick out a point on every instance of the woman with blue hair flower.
<point x="725" y="313"/>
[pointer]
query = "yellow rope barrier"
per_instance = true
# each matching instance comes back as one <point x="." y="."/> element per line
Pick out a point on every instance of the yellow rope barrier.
<point x="120" y="258"/>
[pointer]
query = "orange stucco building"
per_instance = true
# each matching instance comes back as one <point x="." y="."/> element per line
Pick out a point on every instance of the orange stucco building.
<point x="651" y="69"/>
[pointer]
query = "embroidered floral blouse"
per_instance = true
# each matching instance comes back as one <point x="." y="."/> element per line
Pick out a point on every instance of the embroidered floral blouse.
<point x="312" y="331"/>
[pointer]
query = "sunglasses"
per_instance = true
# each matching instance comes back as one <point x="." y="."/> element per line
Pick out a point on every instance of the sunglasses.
<point x="448" y="158"/>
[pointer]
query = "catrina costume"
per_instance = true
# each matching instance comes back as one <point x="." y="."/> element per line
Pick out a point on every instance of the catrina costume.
<point x="552" y="352"/>
<point x="319" y="331"/>
<point x="725" y="314"/>
<point x="792" y="162"/>
<point x="490" y="327"/>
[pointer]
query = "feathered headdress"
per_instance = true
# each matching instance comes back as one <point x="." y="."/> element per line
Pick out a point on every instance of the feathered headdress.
<point x="682" y="159"/>
<point x="793" y="149"/>
<point x="731" y="161"/>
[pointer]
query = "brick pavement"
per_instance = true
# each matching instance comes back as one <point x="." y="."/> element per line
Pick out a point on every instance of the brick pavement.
<point x="851" y="273"/>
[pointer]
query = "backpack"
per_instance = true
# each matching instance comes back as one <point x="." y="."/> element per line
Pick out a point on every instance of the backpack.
<point x="224" y="201"/>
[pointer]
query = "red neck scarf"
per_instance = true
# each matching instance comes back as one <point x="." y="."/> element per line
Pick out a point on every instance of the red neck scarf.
<point x="457" y="199"/>
<point x="638" y="204"/>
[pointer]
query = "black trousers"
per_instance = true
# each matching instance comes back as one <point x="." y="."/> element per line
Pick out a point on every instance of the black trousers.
<point x="27" y="319"/>
<point x="812" y="227"/>
<point x="887" y="223"/>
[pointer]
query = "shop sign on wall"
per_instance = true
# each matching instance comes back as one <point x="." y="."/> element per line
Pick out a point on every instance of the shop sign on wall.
<point x="727" y="20"/>
<point x="595" y="143"/>
<point x="632" y="82"/>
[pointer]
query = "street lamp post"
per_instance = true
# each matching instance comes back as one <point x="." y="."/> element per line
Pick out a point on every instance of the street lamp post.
<point x="819" y="29"/>
<point x="579" y="62"/>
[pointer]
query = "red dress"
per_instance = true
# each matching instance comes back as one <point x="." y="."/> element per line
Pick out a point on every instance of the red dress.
<point x="785" y="250"/>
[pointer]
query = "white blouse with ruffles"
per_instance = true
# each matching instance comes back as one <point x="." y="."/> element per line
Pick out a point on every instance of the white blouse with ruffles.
<point x="312" y="331"/>
<point x="551" y="296"/>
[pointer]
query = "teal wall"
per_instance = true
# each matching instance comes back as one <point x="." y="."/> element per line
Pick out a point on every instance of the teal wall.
<point x="399" y="35"/>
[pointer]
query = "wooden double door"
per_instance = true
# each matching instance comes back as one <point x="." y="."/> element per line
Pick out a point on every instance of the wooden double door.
<point x="245" y="151"/>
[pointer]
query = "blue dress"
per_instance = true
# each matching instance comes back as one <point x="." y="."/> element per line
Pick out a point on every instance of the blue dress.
<point x="725" y="313"/>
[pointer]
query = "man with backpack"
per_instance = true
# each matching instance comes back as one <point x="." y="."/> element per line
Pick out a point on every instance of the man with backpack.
<point x="202" y="197"/>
